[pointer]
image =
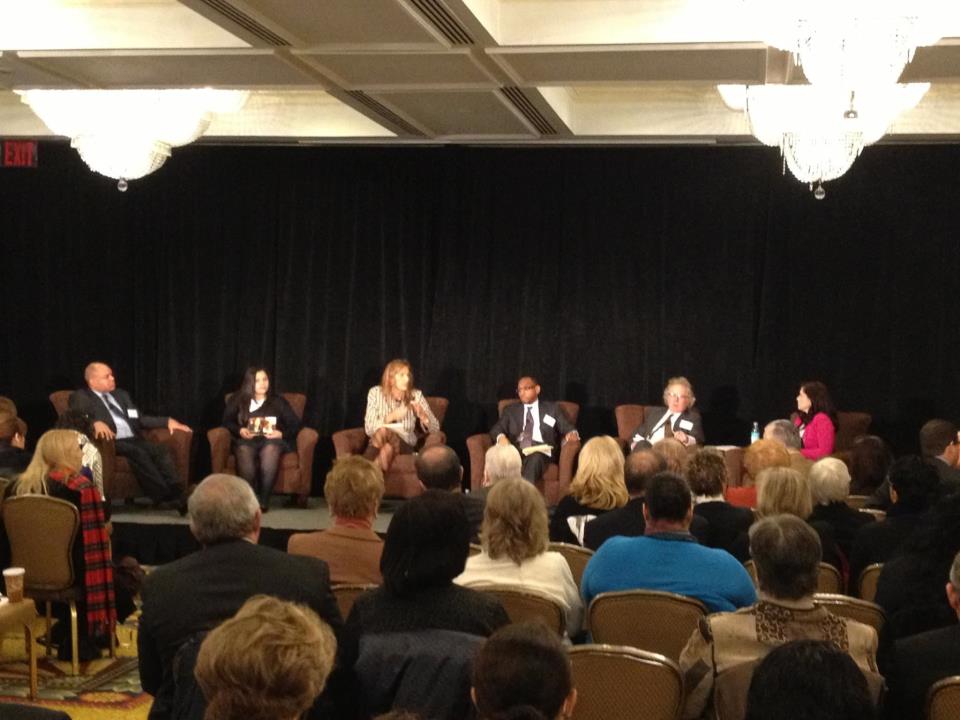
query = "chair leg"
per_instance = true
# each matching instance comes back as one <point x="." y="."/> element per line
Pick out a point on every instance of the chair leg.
<point x="113" y="639"/>
<point x="49" y="642"/>
<point x="74" y="643"/>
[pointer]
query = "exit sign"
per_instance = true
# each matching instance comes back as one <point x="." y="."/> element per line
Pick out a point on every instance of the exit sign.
<point x="18" y="153"/>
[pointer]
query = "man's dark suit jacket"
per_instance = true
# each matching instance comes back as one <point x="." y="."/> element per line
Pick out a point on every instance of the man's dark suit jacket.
<point x="629" y="521"/>
<point x="919" y="661"/>
<point x="511" y="423"/>
<point x="197" y="592"/>
<point x="87" y="401"/>
<point x="653" y="415"/>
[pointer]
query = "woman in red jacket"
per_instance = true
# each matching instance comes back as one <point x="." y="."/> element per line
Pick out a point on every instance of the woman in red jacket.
<point x="816" y="419"/>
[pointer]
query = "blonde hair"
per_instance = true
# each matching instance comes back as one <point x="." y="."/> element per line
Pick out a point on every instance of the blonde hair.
<point x="514" y="521"/>
<point x="599" y="480"/>
<point x="353" y="487"/>
<point x="56" y="450"/>
<point x="783" y="490"/>
<point x="764" y="454"/>
<point x="674" y="453"/>
<point x="386" y="380"/>
<point x="829" y="481"/>
<point x="269" y="661"/>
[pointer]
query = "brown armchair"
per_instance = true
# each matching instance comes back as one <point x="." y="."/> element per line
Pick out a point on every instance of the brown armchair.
<point x="296" y="468"/>
<point x="401" y="479"/>
<point x="851" y="425"/>
<point x="556" y="478"/>
<point x="118" y="478"/>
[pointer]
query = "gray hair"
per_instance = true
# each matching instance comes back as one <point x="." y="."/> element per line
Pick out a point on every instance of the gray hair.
<point x="783" y="431"/>
<point x="955" y="572"/>
<point x="222" y="507"/>
<point x="829" y="481"/>
<point x="502" y="462"/>
<point x="787" y="553"/>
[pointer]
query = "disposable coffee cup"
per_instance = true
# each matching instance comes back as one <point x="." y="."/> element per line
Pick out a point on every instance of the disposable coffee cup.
<point x="13" y="578"/>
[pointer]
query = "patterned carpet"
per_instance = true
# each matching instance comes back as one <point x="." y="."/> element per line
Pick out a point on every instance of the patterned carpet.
<point x="106" y="689"/>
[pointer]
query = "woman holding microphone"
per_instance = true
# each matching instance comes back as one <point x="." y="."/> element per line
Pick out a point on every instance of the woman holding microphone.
<point x="398" y="416"/>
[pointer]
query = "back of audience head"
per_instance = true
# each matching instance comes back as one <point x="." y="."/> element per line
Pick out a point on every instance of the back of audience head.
<point x="223" y="508"/>
<point x="707" y="474"/>
<point x="76" y="420"/>
<point x="514" y="521"/>
<point x="784" y="432"/>
<point x="829" y="481"/>
<point x="808" y="680"/>
<point x="870" y="460"/>
<point x="667" y="501"/>
<point x="353" y="488"/>
<point x="8" y="405"/>
<point x="598" y="482"/>
<point x="57" y="450"/>
<point x="787" y="553"/>
<point x="935" y="437"/>
<point x="501" y="462"/>
<point x="784" y="490"/>
<point x="913" y="483"/>
<point x="522" y="672"/>
<point x="12" y="430"/>
<point x="270" y="661"/>
<point x="639" y="467"/>
<point x="674" y="454"/>
<point x="764" y="454"/>
<point x="438" y="468"/>
<point x="427" y="543"/>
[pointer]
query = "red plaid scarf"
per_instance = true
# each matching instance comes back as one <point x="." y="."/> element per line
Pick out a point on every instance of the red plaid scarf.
<point x="98" y="565"/>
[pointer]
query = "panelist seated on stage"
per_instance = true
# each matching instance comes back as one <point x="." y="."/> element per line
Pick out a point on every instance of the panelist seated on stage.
<point x="676" y="418"/>
<point x="530" y="423"/>
<point x="116" y="417"/>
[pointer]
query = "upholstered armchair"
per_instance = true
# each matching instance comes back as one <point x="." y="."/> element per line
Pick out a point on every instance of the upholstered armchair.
<point x="556" y="478"/>
<point x="119" y="481"/>
<point x="401" y="479"/>
<point x="296" y="468"/>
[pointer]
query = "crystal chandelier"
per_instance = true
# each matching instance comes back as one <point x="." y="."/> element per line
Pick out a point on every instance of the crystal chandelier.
<point x="820" y="131"/>
<point x="126" y="134"/>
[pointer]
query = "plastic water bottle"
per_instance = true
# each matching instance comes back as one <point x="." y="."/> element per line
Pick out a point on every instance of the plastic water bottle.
<point x="755" y="433"/>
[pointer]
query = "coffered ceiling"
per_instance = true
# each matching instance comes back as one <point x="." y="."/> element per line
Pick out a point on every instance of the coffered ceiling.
<point x="497" y="71"/>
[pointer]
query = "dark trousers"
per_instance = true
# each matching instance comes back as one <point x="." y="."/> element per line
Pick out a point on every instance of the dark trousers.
<point x="152" y="465"/>
<point x="534" y="466"/>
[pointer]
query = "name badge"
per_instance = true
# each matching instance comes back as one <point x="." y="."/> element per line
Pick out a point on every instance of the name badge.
<point x="133" y="413"/>
<point x="686" y="425"/>
<point x="549" y="420"/>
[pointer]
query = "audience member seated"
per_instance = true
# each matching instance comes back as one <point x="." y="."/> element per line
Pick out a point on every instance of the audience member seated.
<point x="514" y="539"/>
<point x="398" y="416"/>
<point x="668" y="557"/>
<point x="758" y="457"/>
<point x="419" y="613"/>
<point x="597" y="487"/>
<point x="809" y="680"/>
<point x="830" y="484"/>
<point x="707" y="476"/>
<point x="674" y="453"/>
<point x="816" y="420"/>
<point x="910" y="587"/>
<point x="350" y="547"/>
<point x="533" y="422"/>
<point x="786" y="433"/>
<point x="523" y="673"/>
<point x="438" y="468"/>
<point x="921" y="660"/>
<point x="676" y="418"/>
<point x="193" y="594"/>
<point x="92" y="460"/>
<point x="264" y="427"/>
<point x="501" y="462"/>
<point x="270" y="661"/>
<point x="787" y="554"/>
<point x="55" y="471"/>
<point x="870" y="460"/>
<point x="914" y="486"/>
<point x="13" y="457"/>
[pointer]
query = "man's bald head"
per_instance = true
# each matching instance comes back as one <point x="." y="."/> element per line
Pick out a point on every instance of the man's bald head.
<point x="640" y="466"/>
<point x="438" y="468"/>
<point x="99" y="377"/>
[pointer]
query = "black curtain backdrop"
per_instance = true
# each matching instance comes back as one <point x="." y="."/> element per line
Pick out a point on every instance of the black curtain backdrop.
<point x="601" y="270"/>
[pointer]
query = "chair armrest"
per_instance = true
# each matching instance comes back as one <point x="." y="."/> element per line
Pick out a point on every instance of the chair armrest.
<point x="350" y="442"/>
<point x="568" y="458"/>
<point x="477" y="446"/>
<point x="307" y="440"/>
<point x="219" y="448"/>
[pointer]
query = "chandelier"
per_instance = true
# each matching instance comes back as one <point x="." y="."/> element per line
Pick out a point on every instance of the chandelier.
<point x="126" y="134"/>
<point x="820" y="131"/>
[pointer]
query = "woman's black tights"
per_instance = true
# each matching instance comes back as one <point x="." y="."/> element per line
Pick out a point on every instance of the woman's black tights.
<point x="269" y="456"/>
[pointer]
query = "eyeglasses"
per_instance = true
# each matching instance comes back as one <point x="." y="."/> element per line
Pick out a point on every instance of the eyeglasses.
<point x="521" y="388"/>
<point x="676" y="396"/>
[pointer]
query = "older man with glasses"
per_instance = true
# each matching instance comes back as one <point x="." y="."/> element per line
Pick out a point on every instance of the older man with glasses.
<point x="676" y="418"/>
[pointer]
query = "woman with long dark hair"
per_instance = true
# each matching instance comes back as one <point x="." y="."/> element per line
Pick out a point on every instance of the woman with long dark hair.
<point x="816" y="419"/>
<point x="264" y="427"/>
